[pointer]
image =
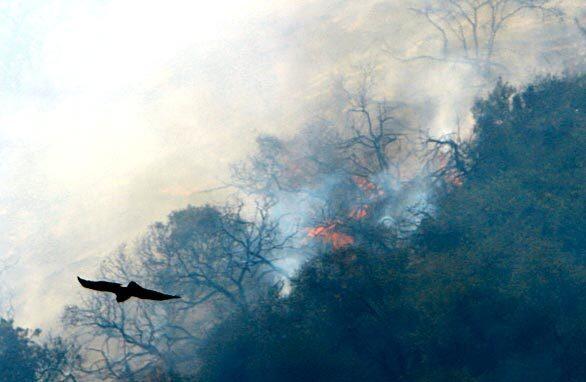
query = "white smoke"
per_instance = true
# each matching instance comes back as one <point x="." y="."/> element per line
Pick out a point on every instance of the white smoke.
<point x="114" y="113"/>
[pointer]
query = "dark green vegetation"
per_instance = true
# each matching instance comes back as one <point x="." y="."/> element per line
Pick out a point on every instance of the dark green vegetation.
<point x="491" y="288"/>
<point x="23" y="359"/>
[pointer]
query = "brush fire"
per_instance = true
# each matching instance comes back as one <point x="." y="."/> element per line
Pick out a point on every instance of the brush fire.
<point x="329" y="235"/>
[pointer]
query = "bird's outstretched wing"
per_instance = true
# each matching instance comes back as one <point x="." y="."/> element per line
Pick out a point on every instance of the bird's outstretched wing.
<point x="102" y="286"/>
<point x="147" y="294"/>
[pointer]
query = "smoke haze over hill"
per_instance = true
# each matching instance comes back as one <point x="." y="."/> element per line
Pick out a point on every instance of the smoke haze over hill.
<point x="112" y="113"/>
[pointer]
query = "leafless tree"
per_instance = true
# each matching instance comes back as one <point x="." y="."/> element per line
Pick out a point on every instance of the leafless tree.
<point x="469" y="30"/>
<point x="265" y="170"/>
<point x="217" y="260"/>
<point x="448" y="158"/>
<point x="373" y="126"/>
<point x="237" y="256"/>
<point x="121" y="341"/>
<point x="289" y="165"/>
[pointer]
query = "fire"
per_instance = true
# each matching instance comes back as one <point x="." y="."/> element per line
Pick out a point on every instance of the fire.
<point x="359" y="212"/>
<point x="371" y="192"/>
<point x="328" y="234"/>
<point x="364" y="183"/>
<point x="369" y="188"/>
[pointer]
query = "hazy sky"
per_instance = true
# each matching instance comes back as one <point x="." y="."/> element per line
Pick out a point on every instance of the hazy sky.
<point x="114" y="113"/>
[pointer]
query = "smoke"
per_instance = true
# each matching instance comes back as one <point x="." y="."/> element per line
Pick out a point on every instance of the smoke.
<point x="352" y="37"/>
<point x="114" y="114"/>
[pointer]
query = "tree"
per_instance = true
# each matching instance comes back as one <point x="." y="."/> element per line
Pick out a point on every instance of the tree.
<point x="489" y="288"/>
<point x="373" y="126"/>
<point x="290" y="165"/>
<point x="347" y="172"/>
<point x="217" y="260"/>
<point x="231" y="260"/>
<point x="23" y="359"/>
<point x="449" y="160"/>
<point x="266" y="171"/>
<point x="469" y="30"/>
<point x="366" y="139"/>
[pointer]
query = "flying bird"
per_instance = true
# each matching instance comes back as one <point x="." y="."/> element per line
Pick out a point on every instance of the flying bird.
<point x="123" y="293"/>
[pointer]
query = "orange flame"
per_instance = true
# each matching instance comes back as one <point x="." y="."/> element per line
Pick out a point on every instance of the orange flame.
<point x="371" y="193"/>
<point x="370" y="189"/>
<point x="328" y="235"/>
<point x="359" y="212"/>
<point x="364" y="184"/>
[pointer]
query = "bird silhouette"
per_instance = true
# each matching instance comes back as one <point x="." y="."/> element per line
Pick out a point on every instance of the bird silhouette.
<point x="123" y="293"/>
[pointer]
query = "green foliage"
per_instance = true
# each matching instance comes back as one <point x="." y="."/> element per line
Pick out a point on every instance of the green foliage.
<point x="23" y="359"/>
<point x="492" y="287"/>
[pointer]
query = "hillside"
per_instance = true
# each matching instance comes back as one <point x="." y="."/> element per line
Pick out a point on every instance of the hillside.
<point x="491" y="287"/>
